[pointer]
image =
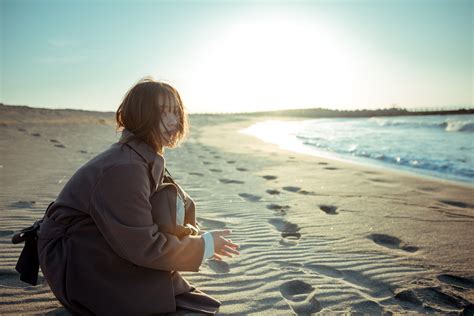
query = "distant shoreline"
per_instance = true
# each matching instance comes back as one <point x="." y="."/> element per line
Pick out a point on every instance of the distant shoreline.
<point x="307" y="113"/>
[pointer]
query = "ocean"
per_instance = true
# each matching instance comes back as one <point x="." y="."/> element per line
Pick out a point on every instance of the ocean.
<point x="435" y="145"/>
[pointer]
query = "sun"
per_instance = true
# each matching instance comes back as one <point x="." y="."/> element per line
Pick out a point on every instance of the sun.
<point x="273" y="62"/>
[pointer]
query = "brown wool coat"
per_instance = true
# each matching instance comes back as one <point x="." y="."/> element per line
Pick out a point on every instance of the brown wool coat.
<point x="109" y="244"/>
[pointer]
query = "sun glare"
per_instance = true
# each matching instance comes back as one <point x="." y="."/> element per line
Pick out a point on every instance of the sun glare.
<point x="273" y="63"/>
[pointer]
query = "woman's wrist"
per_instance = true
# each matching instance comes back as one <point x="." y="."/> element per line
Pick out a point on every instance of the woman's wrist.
<point x="208" y="245"/>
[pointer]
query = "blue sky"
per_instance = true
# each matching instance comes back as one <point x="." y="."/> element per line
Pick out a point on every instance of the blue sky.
<point x="231" y="56"/>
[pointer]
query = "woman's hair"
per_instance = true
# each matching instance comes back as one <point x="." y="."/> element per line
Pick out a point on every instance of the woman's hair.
<point x="140" y="113"/>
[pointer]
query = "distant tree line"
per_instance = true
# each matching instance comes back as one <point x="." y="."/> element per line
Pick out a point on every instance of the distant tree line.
<point x="320" y="112"/>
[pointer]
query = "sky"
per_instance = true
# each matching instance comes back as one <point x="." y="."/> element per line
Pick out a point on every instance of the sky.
<point x="240" y="56"/>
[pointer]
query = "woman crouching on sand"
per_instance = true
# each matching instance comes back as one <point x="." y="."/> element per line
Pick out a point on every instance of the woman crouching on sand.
<point x="121" y="229"/>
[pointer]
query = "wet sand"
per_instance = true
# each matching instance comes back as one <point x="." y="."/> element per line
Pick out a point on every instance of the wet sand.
<point x="316" y="235"/>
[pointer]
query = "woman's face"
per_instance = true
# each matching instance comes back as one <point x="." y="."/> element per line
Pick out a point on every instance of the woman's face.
<point x="169" y="123"/>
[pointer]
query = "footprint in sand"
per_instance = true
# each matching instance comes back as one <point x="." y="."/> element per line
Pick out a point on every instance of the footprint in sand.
<point x="289" y="231"/>
<point x="230" y="161"/>
<point x="23" y="204"/>
<point x="269" y="177"/>
<point x="391" y="242"/>
<point x="300" y="297"/>
<point x="371" y="172"/>
<point x="367" y="308"/>
<point x="82" y="151"/>
<point x="279" y="209"/>
<point x="456" y="203"/>
<point x="59" y="145"/>
<point x="284" y="226"/>
<point x="21" y="129"/>
<point x="408" y="297"/>
<point x="456" y="281"/>
<point x="217" y="156"/>
<point x="304" y="192"/>
<point x="207" y="162"/>
<point x="54" y="141"/>
<point x="322" y="163"/>
<point x="215" y="170"/>
<point x="250" y="197"/>
<point x="429" y="189"/>
<point x="11" y="278"/>
<point x="230" y="181"/>
<point x="291" y="189"/>
<point x="36" y="134"/>
<point x="298" y="190"/>
<point x="331" y="168"/>
<point x="434" y="298"/>
<point x="379" y="180"/>
<point x="376" y="287"/>
<point x="196" y="174"/>
<point x="273" y="192"/>
<point x="329" y="209"/>
<point x="241" y="169"/>
<point x="219" y="266"/>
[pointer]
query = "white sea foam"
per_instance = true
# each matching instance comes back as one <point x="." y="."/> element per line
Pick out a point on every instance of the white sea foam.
<point x="459" y="126"/>
<point x="447" y="124"/>
<point x="438" y="145"/>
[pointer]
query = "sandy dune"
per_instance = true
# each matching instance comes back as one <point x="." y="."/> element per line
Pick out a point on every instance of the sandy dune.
<point x="316" y="235"/>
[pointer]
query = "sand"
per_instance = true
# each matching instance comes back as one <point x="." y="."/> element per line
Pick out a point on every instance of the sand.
<point x="316" y="235"/>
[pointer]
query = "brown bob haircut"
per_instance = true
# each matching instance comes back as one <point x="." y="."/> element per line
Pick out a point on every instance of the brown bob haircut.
<point x="141" y="109"/>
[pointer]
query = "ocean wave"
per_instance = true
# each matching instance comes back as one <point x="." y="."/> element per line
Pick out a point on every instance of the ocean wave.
<point x="460" y="167"/>
<point x="448" y="125"/>
<point x="458" y="126"/>
<point x="439" y="147"/>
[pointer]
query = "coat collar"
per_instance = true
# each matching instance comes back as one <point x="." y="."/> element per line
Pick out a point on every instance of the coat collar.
<point x="156" y="162"/>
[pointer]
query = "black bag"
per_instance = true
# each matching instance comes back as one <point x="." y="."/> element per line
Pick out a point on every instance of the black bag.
<point x="28" y="262"/>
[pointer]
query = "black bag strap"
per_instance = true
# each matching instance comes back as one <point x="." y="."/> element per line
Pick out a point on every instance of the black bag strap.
<point x="170" y="179"/>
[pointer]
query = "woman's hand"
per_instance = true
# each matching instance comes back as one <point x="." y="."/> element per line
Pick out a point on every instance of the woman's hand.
<point x="223" y="246"/>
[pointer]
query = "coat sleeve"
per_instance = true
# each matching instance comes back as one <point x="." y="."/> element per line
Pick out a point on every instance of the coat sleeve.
<point x="121" y="209"/>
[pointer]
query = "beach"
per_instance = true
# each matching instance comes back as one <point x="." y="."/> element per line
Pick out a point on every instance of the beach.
<point x="316" y="234"/>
